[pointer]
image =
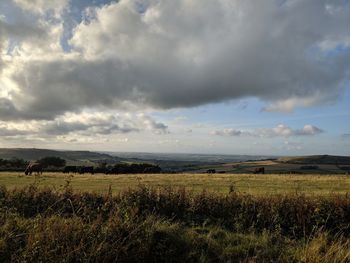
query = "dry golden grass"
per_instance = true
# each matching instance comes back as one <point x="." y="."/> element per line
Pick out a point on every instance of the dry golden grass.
<point x="325" y="249"/>
<point x="243" y="183"/>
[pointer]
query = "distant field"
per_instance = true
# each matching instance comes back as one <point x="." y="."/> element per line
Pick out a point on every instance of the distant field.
<point x="243" y="183"/>
<point x="285" y="166"/>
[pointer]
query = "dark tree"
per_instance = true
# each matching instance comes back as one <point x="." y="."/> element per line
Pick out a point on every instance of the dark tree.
<point x="13" y="163"/>
<point x="52" y="161"/>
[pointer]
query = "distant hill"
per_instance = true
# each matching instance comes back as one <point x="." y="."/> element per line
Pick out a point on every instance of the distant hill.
<point x="72" y="157"/>
<point x="185" y="162"/>
<point x="316" y="159"/>
<point x="189" y="157"/>
<point x="190" y="162"/>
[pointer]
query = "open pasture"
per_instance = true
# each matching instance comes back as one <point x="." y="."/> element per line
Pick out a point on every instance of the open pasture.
<point x="222" y="183"/>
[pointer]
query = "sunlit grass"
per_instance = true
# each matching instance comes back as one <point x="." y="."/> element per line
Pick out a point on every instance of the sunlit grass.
<point x="243" y="183"/>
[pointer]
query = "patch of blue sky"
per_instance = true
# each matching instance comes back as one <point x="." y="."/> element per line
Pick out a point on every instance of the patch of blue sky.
<point x="74" y="15"/>
<point x="238" y="114"/>
<point x="333" y="118"/>
<point x="6" y="7"/>
<point x="12" y="14"/>
<point x="141" y="6"/>
<point x="247" y="114"/>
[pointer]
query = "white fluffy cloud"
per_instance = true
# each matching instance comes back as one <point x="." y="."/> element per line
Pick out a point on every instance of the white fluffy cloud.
<point x="167" y="54"/>
<point x="84" y="124"/>
<point x="283" y="130"/>
<point x="280" y="130"/>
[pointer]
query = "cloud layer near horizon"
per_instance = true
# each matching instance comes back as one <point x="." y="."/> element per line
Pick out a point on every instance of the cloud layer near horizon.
<point x="85" y="125"/>
<point x="280" y="130"/>
<point x="166" y="54"/>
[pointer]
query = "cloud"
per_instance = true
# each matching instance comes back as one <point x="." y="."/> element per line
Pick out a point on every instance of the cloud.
<point x="151" y="124"/>
<point x="42" y="6"/>
<point x="288" y="105"/>
<point x="89" y="124"/>
<point x="228" y="132"/>
<point x="310" y="130"/>
<point x="280" y="130"/>
<point x="23" y="30"/>
<point x="84" y="124"/>
<point x="8" y="132"/>
<point x="171" y="54"/>
<point x="345" y="136"/>
<point x="285" y="131"/>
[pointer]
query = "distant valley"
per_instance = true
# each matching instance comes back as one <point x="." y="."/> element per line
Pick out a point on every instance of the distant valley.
<point x="195" y="163"/>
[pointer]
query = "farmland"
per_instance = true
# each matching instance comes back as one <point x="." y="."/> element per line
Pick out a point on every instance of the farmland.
<point x="221" y="183"/>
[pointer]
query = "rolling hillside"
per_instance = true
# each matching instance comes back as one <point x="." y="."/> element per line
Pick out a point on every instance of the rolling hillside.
<point x="317" y="164"/>
<point x="317" y="159"/>
<point x="72" y="157"/>
<point x="194" y="163"/>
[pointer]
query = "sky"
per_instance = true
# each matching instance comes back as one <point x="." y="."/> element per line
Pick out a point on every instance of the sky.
<point x="189" y="76"/>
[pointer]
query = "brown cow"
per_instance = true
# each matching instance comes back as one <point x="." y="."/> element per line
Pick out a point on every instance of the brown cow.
<point x="34" y="167"/>
<point x="260" y="170"/>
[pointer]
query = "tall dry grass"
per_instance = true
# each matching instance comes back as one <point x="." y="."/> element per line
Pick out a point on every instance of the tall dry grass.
<point x="171" y="225"/>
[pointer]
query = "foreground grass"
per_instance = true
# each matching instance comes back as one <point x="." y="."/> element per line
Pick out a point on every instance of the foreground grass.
<point x="169" y="225"/>
<point x="222" y="183"/>
<point x="155" y="240"/>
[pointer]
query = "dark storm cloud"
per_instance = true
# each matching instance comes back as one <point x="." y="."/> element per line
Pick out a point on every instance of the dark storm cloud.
<point x="7" y="110"/>
<point x="188" y="53"/>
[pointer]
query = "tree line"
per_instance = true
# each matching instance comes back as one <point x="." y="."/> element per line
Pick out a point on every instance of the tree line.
<point x="53" y="163"/>
<point x="13" y="164"/>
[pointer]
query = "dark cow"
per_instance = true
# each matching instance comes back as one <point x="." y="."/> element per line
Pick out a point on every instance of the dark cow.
<point x="211" y="171"/>
<point x="70" y="169"/>
<point x="34" y="167"/>
<point x="259" y="170"/>
<point x="86" y="169"/>
<point x="152" y="170"/>
<point x="101" y="170"/>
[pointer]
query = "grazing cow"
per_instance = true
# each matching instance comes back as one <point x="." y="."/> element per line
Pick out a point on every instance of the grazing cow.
<point x="34" y="167"/>
<point x="70" y="169"/>
<point x="86" y="169"/>
<point x="211" y="171"/>
<point x="260" y="170"/>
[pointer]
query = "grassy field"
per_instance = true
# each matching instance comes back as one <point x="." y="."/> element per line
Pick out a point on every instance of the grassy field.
<point x="169" y="225"/>
<point x="242" y="183"/>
